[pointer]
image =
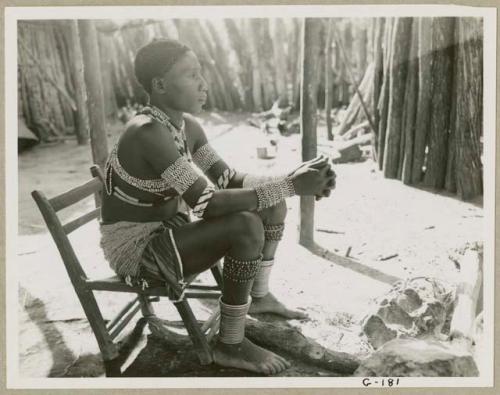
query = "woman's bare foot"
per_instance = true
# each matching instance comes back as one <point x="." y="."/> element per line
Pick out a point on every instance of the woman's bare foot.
<point x="249" y="356"/>
<point x="269" y="304"/>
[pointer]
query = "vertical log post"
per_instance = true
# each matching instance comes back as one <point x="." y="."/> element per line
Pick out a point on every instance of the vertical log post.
<point x="328" y="79"/>
<point x="377" y="76"/>
<point x="398" y="67"/>
<point x="308" y="117"/>
<point x="93" y="83"/>
<point x="442" y="73"/>
<point x="469" y="109"/>
<point x="82" y="116"/>
<point x="425" y="58"/>
<point x="410" y="109"/>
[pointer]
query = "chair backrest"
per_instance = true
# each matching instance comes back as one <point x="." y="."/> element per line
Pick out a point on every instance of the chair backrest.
<point x="59" y="231"/>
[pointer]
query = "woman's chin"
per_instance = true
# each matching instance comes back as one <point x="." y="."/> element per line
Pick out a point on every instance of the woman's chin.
<point x="196" y="109"/>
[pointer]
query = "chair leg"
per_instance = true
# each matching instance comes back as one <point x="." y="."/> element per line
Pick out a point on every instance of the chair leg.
<point x="147" y="308"/>
<point x="199" y="340"/>
<point x="108" y="348"/>
<point x="217" y="273"/>
<point x="112" y="367"/>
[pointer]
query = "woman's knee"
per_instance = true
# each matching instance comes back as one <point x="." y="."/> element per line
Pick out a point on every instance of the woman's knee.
<point x="275" y="214"/>
<point x="246" y="227"/>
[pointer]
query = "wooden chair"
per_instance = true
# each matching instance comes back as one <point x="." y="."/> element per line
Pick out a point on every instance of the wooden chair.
<point x="106" y="334"/>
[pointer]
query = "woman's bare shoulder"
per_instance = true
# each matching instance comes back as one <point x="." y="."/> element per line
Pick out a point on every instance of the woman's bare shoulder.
<point x="194" y="131"/>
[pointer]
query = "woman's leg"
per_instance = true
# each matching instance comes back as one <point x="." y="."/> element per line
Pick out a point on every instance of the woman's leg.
<point x="263" y="301"/>
<point x="239" y="238"/>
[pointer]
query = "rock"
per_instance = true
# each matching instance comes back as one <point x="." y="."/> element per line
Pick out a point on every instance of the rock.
<point x="416" y="307"/>
<point x="432" y="320"/>
<point x="418" y="358"/>
<point x="394" y="314"/>
<point x="409" y="300"/>
<point x="377" y="332"/>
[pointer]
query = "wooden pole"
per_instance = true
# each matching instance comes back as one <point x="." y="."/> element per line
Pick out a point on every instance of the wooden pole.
<point x="328" y="79"/>
<point x="398" y="67"/>
<point x="383" y="101"/>
<point x="308" y="118"/>
<point x="81" y="113"/>
<point x="442" y="73"/>
<point x="425" y="56"/>
<point x="469" y="109"/>
<point x="93" y="83"/>
<point x="410" y="109"/>
<point x="378" y="73"/>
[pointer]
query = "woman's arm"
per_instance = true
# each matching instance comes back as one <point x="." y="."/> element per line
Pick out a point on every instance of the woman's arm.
<point x="225" y="177"/>
<point x="209" y="161"/>
<point x="158" y="148"/>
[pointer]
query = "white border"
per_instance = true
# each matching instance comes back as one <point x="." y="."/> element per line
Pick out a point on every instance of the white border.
<point x="12" y="14"/>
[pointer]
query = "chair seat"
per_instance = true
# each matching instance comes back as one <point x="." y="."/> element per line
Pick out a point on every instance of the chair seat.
<point x="116" y="284"/>
<point x="157" y="288"/>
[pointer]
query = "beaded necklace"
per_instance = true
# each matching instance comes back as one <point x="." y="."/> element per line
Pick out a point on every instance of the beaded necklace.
<point x="150" y="185"/>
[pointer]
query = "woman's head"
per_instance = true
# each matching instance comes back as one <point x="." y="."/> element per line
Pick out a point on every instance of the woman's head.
<point x="169" y="71"/>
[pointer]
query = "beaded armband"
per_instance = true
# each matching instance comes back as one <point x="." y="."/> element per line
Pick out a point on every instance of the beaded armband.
<point x="203" y="200"/>
<point x="205" y="157"/>
<point x="273" y="192"/>
<point x="180" y="175"/>
<point x="225" y="178"/>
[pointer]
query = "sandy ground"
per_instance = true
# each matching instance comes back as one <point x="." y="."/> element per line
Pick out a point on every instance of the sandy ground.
<point x="370" y="216"/>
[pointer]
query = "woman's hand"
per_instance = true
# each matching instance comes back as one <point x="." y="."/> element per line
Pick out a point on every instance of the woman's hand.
<point x="314" y="177"/>
<point x="330" y="174"/>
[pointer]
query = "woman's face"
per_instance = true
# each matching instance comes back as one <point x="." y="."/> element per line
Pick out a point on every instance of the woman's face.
<point x="185" y="89"/>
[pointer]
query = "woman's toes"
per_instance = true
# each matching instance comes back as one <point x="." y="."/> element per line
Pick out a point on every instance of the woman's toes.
<point x="266" y="369"/>
<point x="281" y="366"/>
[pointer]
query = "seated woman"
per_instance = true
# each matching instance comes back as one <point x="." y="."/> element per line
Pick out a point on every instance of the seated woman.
<point x="152" y="183"/>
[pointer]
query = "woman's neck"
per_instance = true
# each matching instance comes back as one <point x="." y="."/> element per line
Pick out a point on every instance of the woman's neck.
<point x="176" y="117"/>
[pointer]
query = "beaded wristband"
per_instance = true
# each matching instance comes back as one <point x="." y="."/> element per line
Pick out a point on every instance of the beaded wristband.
<point x="272" y="193"/>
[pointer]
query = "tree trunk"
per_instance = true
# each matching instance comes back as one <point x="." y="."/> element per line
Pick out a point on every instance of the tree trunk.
<point x="425" y="60"/>
<point x="76" y="61"/>
<point x="328" y="80"/>
<point x="383" y="103"/>
<point x="410" y="110"/>
<point x="442" y="72"/>
<point x="308" y="115"/>
<point x="93" y="83"/>
<point x="398" y="68"/>
<point x="469" y="109"/>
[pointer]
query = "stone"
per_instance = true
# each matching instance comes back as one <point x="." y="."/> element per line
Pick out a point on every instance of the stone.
<point x="394" y="314"/>
<point x="418" y="358"/>
<point x="377" y="332"/>
<point x="409" y="300"/>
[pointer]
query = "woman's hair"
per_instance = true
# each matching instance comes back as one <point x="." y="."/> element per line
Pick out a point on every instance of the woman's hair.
<point x="156" y="58"/>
